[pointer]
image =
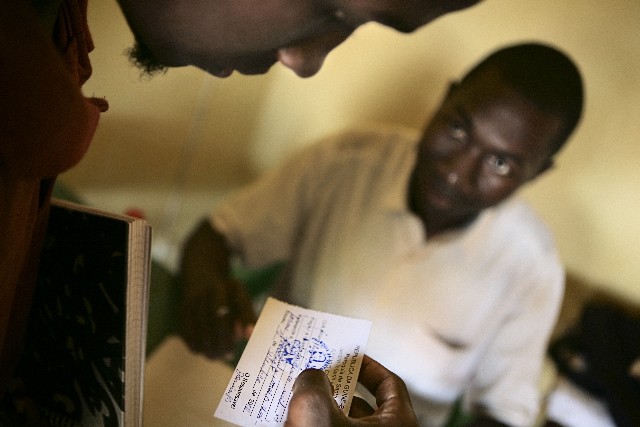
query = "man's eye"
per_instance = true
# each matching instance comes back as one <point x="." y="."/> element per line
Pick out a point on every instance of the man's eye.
<point x="458" y="131"/>
<point x="339" y="15"/>
<point x="499" y="165"/>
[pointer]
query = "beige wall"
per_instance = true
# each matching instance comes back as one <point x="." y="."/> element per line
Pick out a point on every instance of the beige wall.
<point x="173" y="145"/>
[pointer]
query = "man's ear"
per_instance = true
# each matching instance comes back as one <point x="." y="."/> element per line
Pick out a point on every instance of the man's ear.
<point x="546" y="166"/>
<point x="453" y="86"/>
<point x="451" y="90"/>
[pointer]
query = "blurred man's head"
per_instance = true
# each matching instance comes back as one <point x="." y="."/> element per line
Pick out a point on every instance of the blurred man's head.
<point x="220" y="36"/>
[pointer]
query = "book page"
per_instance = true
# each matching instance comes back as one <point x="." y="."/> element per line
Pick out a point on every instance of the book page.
<point x="286" y="340"/>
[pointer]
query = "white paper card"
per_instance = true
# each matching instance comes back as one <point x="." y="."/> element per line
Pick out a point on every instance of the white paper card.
<point x="286" y="340"/>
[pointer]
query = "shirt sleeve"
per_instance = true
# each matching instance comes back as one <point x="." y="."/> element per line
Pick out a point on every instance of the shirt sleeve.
<point x="507" y="383"/>
<point x="263" y="221"/>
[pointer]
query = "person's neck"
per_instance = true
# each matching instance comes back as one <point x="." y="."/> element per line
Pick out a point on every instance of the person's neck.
<point x="435" y="223"/>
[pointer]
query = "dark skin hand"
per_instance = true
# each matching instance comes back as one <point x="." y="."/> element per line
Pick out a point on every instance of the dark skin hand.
<point x="216" y="313"/>
<point x="312" y="404"/>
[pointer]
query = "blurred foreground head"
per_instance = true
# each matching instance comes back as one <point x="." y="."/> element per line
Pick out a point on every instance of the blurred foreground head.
<point x="220" y="36"/>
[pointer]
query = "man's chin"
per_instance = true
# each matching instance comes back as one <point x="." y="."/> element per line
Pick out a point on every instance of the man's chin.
<point x="145" y="61"/>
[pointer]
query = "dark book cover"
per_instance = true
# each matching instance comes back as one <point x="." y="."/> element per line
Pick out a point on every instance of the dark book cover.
<point x="84" y="357"/>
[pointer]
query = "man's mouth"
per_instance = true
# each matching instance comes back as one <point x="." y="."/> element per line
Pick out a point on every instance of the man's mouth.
<point x="222" y="73"/>
<point x="247" y="66"/>
<point x="442" y="195"/>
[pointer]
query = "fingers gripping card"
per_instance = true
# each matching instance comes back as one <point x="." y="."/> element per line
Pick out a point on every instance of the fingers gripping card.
<point x="286" y="340"/>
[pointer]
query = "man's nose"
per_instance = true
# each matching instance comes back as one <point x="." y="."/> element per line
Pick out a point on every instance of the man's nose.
<point x="465" y="166"/>
<point x="306" y="58"/>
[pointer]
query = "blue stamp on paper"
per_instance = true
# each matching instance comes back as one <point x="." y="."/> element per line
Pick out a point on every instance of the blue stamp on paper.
<point x="319" y="355"/>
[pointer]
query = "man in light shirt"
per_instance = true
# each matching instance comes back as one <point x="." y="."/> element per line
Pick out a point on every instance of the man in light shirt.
<point x="420" y="234"/>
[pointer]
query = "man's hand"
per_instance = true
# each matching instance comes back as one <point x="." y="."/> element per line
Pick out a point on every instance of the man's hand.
<point x="216" y="313"/>
<point x="312" y="403"/>
<point x="216" y="318"/>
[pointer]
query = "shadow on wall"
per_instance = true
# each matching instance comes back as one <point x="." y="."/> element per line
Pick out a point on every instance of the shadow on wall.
<point x="149" y="153"/>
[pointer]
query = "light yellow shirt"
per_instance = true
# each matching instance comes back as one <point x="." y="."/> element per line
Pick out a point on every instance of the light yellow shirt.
<point x="467" y="312"/>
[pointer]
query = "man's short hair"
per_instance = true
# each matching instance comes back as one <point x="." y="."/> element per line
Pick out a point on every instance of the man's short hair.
<point x="544" y="75"/>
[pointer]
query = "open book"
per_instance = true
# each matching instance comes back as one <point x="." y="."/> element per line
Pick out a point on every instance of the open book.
<point x="84" y="357"/>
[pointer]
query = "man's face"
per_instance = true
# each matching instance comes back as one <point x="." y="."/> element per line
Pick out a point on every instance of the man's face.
<point x="484" y="142"/>
<point x="220" y="36"/>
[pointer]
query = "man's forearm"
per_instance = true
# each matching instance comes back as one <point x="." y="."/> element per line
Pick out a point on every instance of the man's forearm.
<point x="205" y="256"/>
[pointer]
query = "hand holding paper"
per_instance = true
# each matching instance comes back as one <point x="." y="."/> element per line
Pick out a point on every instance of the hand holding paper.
<point x="287" y="340"/>
<point x="312" y="406"/>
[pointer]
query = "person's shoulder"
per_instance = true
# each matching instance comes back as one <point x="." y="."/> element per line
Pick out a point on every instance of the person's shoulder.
<point x="368" y="134"/>
<point x="517" y="217"/>
<point x="371" y="138"/>
<point x="526" y="240"/>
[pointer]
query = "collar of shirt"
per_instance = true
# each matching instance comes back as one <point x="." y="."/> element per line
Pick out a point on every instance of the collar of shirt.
<point x="394" y="201"/>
